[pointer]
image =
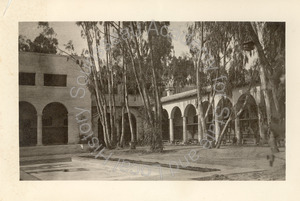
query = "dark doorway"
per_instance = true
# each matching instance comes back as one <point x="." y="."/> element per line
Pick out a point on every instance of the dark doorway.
<point x="248" y="118"/>
<point x="177" y="124"/>
<point x="224" y="110"/>
<point x="100" y="130"/>
<point x="55" y="124"/>
<point x="27" y="124"/>
<point x="192" y="122"/>
<point x="209" y="119"/>
<point x="165" y="125"/>
<point x="127" y="133"/>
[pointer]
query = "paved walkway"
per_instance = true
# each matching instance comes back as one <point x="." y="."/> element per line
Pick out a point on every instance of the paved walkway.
<point x="176" y="163"/>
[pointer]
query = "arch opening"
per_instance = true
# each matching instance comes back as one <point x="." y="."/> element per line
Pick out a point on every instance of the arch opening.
<point x="249" y="125"/>
<point x="27" y="124"/>
<point x="100" y="129"/>
<point x="165" y="125"/>
<point x="192" y="122"/>
<point x="223" y="112"/>
<point x="177" y="124"/>
<point x="55" y="124"/>
<point x="127" y="132"/>
<point x="209" y="119"/>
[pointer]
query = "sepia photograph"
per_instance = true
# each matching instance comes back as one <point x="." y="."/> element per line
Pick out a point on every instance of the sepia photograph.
<point x="152" y="100"/>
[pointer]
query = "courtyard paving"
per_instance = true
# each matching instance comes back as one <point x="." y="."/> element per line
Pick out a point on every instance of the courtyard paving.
<point x="175" y="163"/>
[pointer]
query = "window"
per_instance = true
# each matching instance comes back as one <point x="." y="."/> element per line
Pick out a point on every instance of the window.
<point x="55" y="80"/>
<point x="27" y="79"/>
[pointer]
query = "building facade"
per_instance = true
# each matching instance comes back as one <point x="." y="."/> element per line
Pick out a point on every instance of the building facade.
<point x="54" y="103"/>
<point x="181" y="116"/>
<point x="55" y="106"/>
<point x="135" y="106"/>
<point x="47" y="102"/>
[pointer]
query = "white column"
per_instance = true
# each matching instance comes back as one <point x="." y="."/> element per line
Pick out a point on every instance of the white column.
<point x="237" y="130"/>
<point x="184" y="129"/>
<point x="200" y="134"/>
<point x="39" y="130"/>
<point x="171" y="126"/>
<point x="217" y="128"/>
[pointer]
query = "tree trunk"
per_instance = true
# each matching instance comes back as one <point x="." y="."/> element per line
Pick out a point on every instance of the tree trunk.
<point x="218" y="144"/>
<point x="109" y="83"/>
<point x="122" y="128"/>
<point x="262" y="130"/>
<point x="101" y="103"/>
<point x="157" y="138"/>
<point x="132" y="144"/>
<point x="201" y="119"/>
<point x="99" y="98"/>
<point x="142" y="80"/>
<point x="264" y="86"/>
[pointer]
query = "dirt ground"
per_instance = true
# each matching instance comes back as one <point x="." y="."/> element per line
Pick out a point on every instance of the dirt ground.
<point x="258" y="158"/>
<point x="277" y="173"/>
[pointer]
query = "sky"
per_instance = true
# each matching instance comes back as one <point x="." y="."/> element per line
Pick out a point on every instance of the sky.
<point x="179" y="28"/>
<point x="70" y="31"/>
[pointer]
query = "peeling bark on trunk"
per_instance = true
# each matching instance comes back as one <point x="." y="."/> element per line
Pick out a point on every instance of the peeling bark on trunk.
<point x="109" y="82"/>
<point x="122" y="128"/>
<point x="264" y="86"/>
<point x="132" y="143"/>
<point x="201" y="119"/>
<point x="157" y="141"/>
<point x="98" y="90"/>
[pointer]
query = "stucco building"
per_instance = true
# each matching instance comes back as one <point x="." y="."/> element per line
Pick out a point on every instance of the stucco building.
<point x="53" y="97"/>
<point x="181" y="116"/>
<point x="47" y="105"/>
<point x="54" y="103"/>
